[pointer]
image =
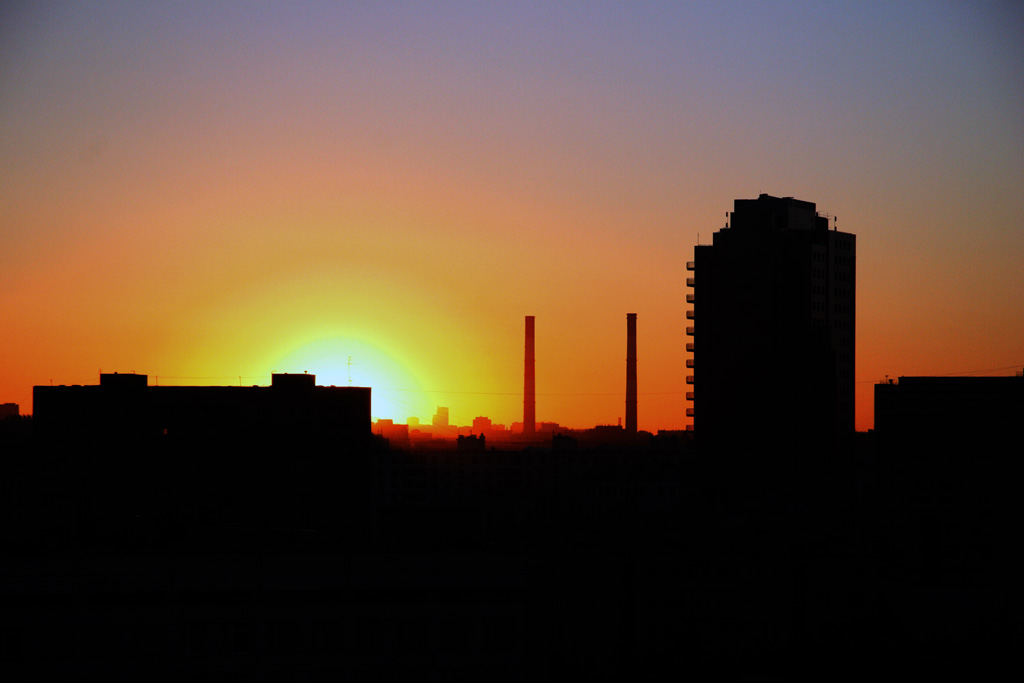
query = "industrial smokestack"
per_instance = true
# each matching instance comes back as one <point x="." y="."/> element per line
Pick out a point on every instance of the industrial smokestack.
<point x="529" y="385"/>
<point x="631" y="373"/>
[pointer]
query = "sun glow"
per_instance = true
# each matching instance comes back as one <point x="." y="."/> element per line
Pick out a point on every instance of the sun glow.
<point x="349" y="361"/>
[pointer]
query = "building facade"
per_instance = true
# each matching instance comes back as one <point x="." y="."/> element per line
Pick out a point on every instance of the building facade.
<point x="772" y="327"/>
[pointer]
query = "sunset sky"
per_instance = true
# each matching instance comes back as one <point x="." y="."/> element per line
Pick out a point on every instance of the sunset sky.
<point x="209" y="192"/>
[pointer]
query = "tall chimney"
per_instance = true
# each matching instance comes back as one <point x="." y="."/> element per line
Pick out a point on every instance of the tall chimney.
<point x="529" y="384"/>
<point x="631" y="373"/>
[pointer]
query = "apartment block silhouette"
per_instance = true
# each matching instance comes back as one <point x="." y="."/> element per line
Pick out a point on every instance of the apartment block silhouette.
<point x="772" y="327"/>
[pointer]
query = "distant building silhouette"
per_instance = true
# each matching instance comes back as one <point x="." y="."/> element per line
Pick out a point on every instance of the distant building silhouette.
<point x="473" y="443"/>
<point x="9" y="410"/>
<point x="396" y="434"/>
<point x="773" y="327"/>
<point x="484" y="425"/>
<point x="125" y="407"/>
<point x="440" y="418"/>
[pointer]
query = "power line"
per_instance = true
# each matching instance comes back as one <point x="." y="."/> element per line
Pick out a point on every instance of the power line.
<point x="519" y="393"/>
<point x="232" y="377"/>
<point x="954" y="374"/>
<point x="971" y="372"/>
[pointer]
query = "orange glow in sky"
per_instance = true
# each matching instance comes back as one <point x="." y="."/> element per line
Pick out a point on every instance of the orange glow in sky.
<point x="211" y="194"/>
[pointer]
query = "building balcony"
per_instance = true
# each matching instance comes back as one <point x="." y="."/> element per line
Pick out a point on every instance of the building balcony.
<point x="689" y="298"/>
<point x="689" y="362"/>
<point x="689" y="330"/>
<point x="689" y="315"/>
<point x="689" y="379"/>
<point x="689" y="428"/>
<point x="689" y="346"/>
<point x="689" y="412"/>
<point x="691" y="265"/>
<point x="690" y="281"/>
<point x="689" y="395"/>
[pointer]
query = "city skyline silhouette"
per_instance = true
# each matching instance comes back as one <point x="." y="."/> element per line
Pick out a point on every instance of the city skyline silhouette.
<point x="263" y="514"/>
<point x="313" y="364"/>
<point x="341" y="182"/>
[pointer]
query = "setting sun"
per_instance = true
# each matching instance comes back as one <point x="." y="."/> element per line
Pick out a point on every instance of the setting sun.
<point x="344" y="361"/>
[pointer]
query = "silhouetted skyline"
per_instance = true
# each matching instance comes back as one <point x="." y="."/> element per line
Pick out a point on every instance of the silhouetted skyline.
<point x="263" y="529"/>
<point x="233" y="198"/>
<point x="259" y="190"/>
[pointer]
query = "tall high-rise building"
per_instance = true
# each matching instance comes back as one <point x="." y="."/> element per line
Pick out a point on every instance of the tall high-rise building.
<point x="772" y="327"/>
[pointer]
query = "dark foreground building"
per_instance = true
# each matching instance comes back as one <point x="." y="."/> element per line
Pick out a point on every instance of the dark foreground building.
<point x="948" y="485"/>
<point x="180" y="561"/>
<point x="773" y="327"/>
<point x="125" y="408"/>
<point x="950" y="413"/>
<point x="946" y="448"/>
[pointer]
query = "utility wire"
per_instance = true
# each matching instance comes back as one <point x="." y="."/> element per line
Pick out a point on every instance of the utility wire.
<point x="954" y="374"/>
<point x="519" y="393"/>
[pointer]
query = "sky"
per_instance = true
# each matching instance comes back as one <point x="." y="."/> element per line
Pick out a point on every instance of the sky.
<point x="211" y="192"/>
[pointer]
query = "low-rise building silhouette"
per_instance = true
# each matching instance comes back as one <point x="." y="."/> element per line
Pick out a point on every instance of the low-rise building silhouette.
<point x="947" y="472"/>
<point x="950" y="410"/>
<point x="124" y="406"/>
